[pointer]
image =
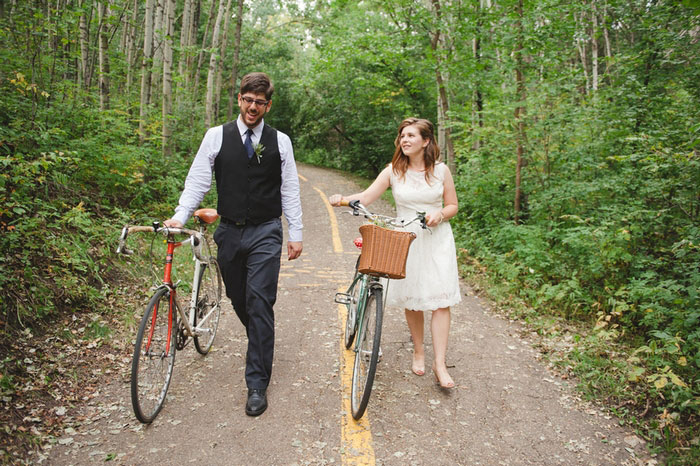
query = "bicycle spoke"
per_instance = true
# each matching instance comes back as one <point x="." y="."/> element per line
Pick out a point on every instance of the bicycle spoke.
<point x="208" y="308"/>
<point x="352" y="306"/>
<point x="366" y="352"/>
<point x="154" y="358"/>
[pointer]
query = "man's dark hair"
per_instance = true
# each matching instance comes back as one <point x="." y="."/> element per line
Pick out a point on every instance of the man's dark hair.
<point x="257" y="83"/>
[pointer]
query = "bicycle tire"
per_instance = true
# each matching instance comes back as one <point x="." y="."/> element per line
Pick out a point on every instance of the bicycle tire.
<point x="351" y="318"/>
<point x="208" y="298"/>
<point x="367" y="352"/>
<point x="153" y="359"/>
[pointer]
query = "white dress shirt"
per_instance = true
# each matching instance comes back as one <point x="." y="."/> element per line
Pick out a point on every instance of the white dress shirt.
<point x="198" y="181"/>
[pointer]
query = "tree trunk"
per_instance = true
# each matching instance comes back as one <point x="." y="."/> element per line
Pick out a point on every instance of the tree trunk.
<point x="158" y="38"/>
<point x="169" y="19"/>
<point x="519" y="109"/>
<point x="84" y="44"/>
<point x="441" y="123"/>
<point x="103" y="13"/>
<point x="146" y="69"/>
<point x="594" y="45"/>
<point x="131" y="47"/>
<point x="606" y="36"/>
<point x="236" y="57"/>
<point x="219" y="71"/>
<point x="200" y="59"/>
<point x="213" y="65"/>
<point x="478" y="95"/>
<point x="581" y="45"/>
<point x="194" y="27"/>
<point x="437" y="44"/>
<point x="185" y="34"/>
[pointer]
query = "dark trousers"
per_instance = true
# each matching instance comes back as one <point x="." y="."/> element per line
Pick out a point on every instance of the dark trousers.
<point x="249" y="258"/>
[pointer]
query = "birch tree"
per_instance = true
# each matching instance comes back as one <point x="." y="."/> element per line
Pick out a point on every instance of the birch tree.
<point x="519" y="108"/>
<point x="103" y="13"/>
<point x="84" y="38"/>
<point x="131" y="45"/>
<point x="213" y="64"/>
<point x="169" y="19"/>
<point x="220" y="68"/>
<point x="185" y="36"/>
<point x="200" y="58"/>
<point x="146" y="69"/>
<point x="233" y="90"/>
<point x="437" y="43"/>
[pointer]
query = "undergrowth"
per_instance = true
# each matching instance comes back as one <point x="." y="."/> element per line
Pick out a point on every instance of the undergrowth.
<point x="606" y="366"/>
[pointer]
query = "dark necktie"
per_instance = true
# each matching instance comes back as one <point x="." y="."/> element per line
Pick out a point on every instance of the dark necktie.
<point x="249" y="144"/>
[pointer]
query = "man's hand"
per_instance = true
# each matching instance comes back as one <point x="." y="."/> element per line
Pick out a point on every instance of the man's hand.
<point x="172" y="223"/>
<point x="294" y="249"/>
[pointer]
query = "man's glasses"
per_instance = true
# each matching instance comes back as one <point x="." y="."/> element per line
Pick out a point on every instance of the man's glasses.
<point x="260" y="103"/>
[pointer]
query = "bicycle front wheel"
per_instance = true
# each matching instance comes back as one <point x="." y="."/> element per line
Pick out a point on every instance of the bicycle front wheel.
<point x="154" y="357"/>
<point x="206" y="317"/>
<point x="367" y="352"/>
<point x="351" y="320"/>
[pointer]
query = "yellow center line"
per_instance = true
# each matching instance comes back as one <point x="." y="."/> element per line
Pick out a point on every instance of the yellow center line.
<point x="337" y="245"/>
<point x="302" y="177"/>
<point x="356" y="436"/>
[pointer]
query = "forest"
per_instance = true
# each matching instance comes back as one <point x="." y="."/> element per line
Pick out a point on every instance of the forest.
<point x="572" y="129"/>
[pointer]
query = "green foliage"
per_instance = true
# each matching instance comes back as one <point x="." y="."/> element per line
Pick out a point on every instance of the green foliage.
<point x="363" y="79"/>
<point x="609" y="231"/>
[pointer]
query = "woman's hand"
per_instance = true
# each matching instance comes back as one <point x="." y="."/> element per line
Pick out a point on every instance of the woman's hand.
<point x="433" y="219"/>
<point x="335" y="200"/>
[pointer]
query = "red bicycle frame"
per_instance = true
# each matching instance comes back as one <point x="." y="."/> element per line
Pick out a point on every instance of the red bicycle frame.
<point x="167" y="280"/>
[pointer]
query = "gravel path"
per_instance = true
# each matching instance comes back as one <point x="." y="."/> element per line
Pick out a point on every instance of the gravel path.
<point x="507" y="408"/>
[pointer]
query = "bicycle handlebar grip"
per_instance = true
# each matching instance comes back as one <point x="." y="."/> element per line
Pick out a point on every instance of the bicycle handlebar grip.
<point x="344" y="203"/>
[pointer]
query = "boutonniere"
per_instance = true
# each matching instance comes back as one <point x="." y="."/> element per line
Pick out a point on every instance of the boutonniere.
<point x="258" y="150"/>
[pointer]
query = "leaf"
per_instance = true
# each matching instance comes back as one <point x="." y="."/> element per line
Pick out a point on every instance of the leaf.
<point x="635" y="373"/>
<point x="677" y="380"/>
<point x="661" y="382"/>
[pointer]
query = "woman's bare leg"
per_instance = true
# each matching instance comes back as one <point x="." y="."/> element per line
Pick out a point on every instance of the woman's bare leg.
<point x="415" y="325"/>
<point x="440" y="330"/>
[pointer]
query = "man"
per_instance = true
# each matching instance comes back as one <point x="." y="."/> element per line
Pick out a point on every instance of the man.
<point x="256" y="180"/>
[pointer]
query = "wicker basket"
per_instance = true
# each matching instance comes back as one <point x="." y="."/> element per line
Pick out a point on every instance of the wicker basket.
<point x="384" y="251"/>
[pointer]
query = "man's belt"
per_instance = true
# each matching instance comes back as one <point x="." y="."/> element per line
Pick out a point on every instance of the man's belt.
<point x="229" y="221"/>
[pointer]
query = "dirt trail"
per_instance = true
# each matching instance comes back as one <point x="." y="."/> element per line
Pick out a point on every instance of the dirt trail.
<point x="507" y="407"/>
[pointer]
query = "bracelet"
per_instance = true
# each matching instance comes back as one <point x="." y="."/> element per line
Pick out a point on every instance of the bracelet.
<point x="442" y="217"/>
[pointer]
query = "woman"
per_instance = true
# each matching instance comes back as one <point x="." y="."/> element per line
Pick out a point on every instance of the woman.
<point x="419" y="182"/>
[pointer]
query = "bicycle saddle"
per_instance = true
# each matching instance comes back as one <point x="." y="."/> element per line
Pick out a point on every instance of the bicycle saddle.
<point x="207" y="216"/>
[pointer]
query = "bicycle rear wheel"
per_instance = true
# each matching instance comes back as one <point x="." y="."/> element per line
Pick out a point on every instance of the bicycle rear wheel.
<point x="367" y="352"/>
<point x="154" y="357"/>
<point x="208" y="310"/>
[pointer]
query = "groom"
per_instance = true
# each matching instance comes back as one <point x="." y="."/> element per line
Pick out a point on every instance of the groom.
<point x="256" y="180"/>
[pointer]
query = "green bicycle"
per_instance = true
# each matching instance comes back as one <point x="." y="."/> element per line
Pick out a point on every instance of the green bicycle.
<point x="364" y="299"/>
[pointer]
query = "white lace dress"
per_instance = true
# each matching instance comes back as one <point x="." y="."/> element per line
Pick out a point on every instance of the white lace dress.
<point x="432" y="280"/>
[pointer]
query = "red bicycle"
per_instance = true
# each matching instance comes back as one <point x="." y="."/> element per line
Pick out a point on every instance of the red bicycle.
<point x="161" y="332"/>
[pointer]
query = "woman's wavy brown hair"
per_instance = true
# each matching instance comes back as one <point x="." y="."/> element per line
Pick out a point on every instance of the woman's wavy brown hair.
<point x="431" y="155"/>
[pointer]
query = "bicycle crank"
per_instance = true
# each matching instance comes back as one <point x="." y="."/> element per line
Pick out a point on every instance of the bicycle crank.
<point x="181" y="340"/>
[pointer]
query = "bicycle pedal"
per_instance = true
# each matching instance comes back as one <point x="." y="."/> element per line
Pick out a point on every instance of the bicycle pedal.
<point x="343" y="298"/>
